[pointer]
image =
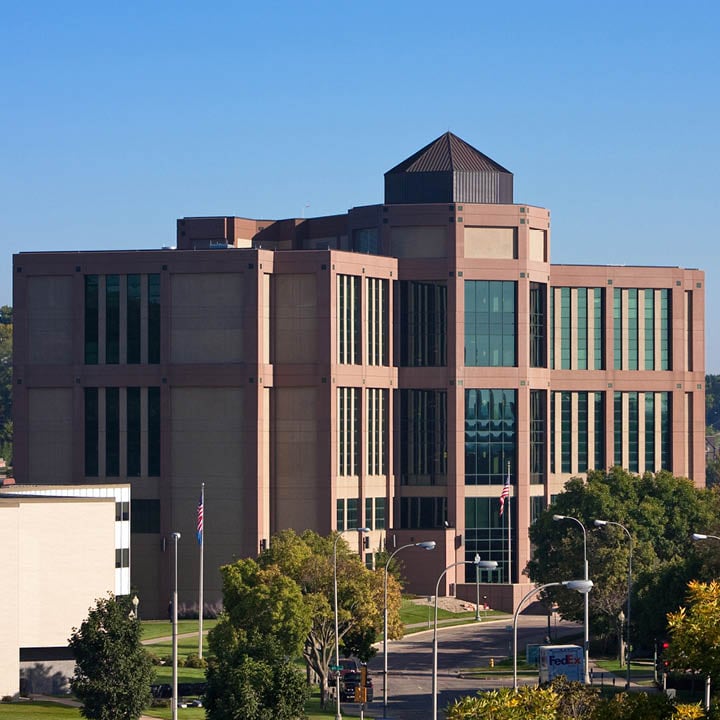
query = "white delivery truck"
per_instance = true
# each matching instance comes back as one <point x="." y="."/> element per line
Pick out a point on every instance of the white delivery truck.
<point x="554" y="660"/>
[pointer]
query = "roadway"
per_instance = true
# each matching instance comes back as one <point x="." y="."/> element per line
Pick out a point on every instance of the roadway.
<point x="459" y="649"/>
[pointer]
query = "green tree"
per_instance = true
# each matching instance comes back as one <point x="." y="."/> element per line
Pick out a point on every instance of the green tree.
<point x="251" y="675"/>
<point x="113" y="671"/>
<point x="660" y="511"/>
<point x="712" y="402"/>
<point x="6" y="427"/>
<point x="695" y="632"/>
<point x="308" y="559"/>
<point x="528" y="703"/>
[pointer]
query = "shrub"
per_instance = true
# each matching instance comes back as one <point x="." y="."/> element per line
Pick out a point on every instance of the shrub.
<point x="194" y="661"/>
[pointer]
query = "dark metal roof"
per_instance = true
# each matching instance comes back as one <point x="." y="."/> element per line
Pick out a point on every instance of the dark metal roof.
<point x="448" y="153"/>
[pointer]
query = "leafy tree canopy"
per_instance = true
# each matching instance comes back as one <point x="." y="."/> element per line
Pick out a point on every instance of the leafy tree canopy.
<point x="695" y="632"/>
<point x="660" y="511"/>
<point x="251" y="674"/>
<point x="308" y="559"/>
<point x="113" y="671"/>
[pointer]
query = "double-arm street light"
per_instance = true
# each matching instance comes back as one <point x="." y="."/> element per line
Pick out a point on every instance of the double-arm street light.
<point x="582" y="586"/>
<point x="338" y="715"/>
<point x="586" y="649"/>
<point x="425" y="545"/>
<point x="604" y="523"/>
<point x="481" y="565"/>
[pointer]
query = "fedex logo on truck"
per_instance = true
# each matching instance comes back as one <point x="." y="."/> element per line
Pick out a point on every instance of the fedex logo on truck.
<point x="568" y="659"/>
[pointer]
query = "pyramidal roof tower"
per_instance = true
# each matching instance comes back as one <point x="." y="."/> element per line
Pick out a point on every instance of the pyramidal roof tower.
<point x="448" y="170"/>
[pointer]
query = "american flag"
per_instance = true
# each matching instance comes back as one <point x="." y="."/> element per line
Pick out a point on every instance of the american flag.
<point x="504" y="494"/>
<point x="200" y="512"/>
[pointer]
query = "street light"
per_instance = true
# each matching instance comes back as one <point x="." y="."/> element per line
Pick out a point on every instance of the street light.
<point x="338" y="715"/>
<point x="174" y="702"/>
<point x="426" y="545"/>
<point x="481" y="564"/>
<point x="136" y="604"/>
<point x="581" y="586"/>
<point x="604" y="523"/>
<point x="586" y="649"/>
<point x="700" y="536"/>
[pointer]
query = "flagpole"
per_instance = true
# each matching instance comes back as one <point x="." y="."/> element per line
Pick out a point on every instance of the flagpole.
<point x="509" y="532"/>
<point x="201" y="539"/>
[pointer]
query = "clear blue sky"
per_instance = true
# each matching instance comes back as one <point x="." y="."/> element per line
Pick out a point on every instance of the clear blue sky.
<point x="117" y="118"/>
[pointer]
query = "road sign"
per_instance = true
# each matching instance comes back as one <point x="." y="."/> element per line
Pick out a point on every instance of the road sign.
<point x="336" y="668"/>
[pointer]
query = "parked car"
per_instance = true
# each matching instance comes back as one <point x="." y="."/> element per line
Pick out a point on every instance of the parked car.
<point x="350" y="681"/>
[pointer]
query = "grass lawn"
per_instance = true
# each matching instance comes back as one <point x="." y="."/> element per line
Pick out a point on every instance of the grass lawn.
<point x="162" y="628"/>
<point x="410" y="613"/>
<point x="186" y="646"/>
<point x="30" y="710"/>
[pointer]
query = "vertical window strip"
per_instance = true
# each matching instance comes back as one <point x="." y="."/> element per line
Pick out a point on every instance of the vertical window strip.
<point x="133" y="310"/>
<point x="617" y="328"/>
<point x="633" y="425"/>
<point x="566" y="432"/>
<point x="599" y="429"/>
<point x="153" y="312"/>
<point x="650" y="432"/>
<point x="356" y="321"/>
<point x="538" y="301"/>
<point x="552" y="432"/>
<point x="490" y="435"/>
<point x="632" y="325"/>
<point x="91" y="432"/>
<point x="582" y="431"/>
<point x="423" y="437"/>
<point x="112" y="319"/>
<point x="665" y="431"/>
<point x="134" y="434"/>
<point x="665" y="336"/>
<point x="599" y="329"/>
<point x="112" y="432"/>
<point x="486" y="535"/>
<point x="689" y="360"/>
<point x="618" y="429"/>
<point x="538" y="434"/>
<point x="490" y="323"/>
<point x="369" y="517"/>
<point x="380" y="513"/>
<point x="565" y="329"/>
<point x="552" y="328"/>
<point x="153" y="423"/>
<point x="351" y="517"/>
<point x="582" y="329"/>
<point x="649" y="329"/>
<point x="340" y="515"/>
<point x="91" y="319"/>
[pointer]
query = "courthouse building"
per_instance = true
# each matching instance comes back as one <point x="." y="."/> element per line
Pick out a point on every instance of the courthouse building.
<point x="388" y="368"/>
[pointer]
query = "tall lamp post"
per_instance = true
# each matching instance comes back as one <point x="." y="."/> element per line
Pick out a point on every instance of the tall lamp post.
<point x="702" y="536"/>
<point x="582" y="586"/>
<point x="605" y="523"/>
<point x="174" y="702"/>
<point x="481" y="565"/>
<point x="426" y="545"/>
<point x="338" y="715"/>
<point x="586" y="649"/>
